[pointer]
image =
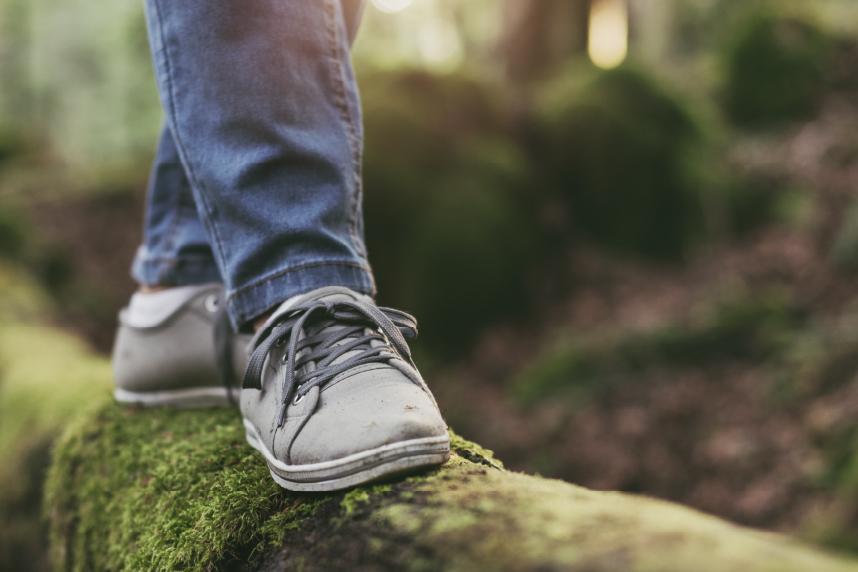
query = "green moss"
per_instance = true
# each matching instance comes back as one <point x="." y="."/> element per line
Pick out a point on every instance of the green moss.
<point x="491" y="517"/>
<point x="186" y="489"/>
<point x="47" y="377"/>
<point x="185" y="492"/>
<point x="166" y="490"/>
<point x="472" y="452"/>
<point x="739" y="327"/>
<point x="353" y="499"/>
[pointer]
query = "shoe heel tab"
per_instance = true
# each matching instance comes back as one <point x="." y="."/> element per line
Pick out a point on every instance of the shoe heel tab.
<point x="153" y="310"/>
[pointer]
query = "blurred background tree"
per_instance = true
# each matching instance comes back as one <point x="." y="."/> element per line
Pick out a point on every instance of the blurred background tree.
<point x="628" y="227"/>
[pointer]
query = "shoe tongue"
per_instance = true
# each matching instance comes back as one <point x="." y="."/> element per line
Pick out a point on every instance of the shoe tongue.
<point x="336" y="295"/>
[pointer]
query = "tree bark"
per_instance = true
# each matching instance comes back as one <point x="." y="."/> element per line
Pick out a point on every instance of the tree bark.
<point x="540" y="34"/>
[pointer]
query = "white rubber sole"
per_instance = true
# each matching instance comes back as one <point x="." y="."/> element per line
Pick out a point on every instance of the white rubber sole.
<point x="356" y="469"/>
<point x="192" y="398"/>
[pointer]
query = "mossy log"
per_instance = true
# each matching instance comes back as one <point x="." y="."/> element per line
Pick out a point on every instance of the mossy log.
<point x="133" y="489"/>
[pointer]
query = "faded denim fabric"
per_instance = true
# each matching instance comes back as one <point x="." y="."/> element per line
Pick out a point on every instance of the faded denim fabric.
<point x="257" y="177"/>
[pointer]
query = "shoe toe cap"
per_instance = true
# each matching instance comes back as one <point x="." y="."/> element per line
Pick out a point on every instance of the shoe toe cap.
<point x="363" y="412"/>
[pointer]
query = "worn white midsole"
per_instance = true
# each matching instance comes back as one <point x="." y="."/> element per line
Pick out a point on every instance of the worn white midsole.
<point x="439" y="444"/>
<point x="187" y="396"/>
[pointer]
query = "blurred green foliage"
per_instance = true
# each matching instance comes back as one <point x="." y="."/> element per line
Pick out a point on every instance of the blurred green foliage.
<point x="820" y="363"/>
<point x="618" y="147"/>
<point x="753" y="200"/>
<point x="468" y="203"/>
<point x="82" y="81"/>
<point x="775" y="68"/>
<point x="21" y="245"/>
<point x="449" y="203"/>
<point x="740" y="327"/>
<point x="844" y="251"/>
<point x="13" y="232"/>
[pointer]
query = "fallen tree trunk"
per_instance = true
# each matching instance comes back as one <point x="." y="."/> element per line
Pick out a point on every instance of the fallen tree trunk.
<point x="134" y="489"/>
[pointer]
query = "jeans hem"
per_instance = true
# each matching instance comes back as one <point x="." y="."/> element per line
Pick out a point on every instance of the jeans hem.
<point x="174" y="271"/>
<point x="248" y="302"/>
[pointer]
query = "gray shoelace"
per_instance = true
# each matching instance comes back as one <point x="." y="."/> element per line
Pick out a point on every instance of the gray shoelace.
<point x="323" y="331"/>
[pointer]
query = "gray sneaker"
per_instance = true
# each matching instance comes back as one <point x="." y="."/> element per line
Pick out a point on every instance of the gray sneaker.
<point x="175" y="348"/>
<point x="331" y="397"/>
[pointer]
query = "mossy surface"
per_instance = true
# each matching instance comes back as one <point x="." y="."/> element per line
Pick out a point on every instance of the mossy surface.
<point x="47" y="377"/>
<point x="179" y="487"/>
<point x="134" y="489"/>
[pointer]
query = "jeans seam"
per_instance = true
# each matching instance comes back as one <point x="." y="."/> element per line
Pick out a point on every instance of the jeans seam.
<point x="172" y="232"/>
<point x="296" y="268"/>
<point x="190" y="257"/>
<point x="192" y="177"/>
<point x="347" y="117"/>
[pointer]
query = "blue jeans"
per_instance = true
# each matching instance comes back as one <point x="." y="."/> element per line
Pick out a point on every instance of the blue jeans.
<point x="257" y="177"/>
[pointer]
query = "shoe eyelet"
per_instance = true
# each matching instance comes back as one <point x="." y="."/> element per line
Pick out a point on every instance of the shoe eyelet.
<point x="211" y="303"/>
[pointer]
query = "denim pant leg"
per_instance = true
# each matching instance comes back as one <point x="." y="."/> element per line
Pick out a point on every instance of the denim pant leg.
<point x="175" y="249"/>
<point x="263" y="108"/>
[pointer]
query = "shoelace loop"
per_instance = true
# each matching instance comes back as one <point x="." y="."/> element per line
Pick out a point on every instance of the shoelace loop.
<point x="327" y="330"/>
